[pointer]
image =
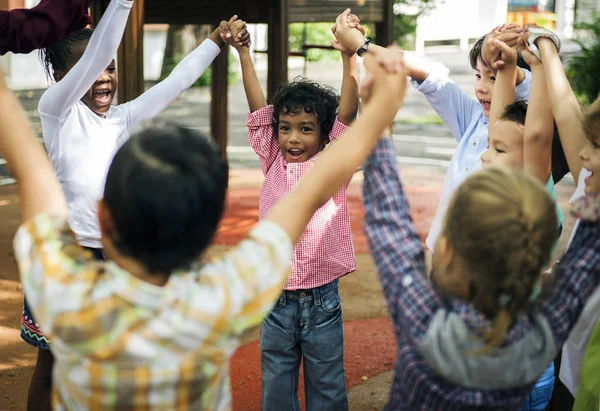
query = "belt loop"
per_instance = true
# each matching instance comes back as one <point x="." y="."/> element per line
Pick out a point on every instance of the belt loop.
<point x="316" y="296"/>
<point x="282" y="298"/>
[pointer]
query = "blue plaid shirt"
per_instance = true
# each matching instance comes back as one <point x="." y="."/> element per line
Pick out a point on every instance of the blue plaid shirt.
<point x="420" y="384"/>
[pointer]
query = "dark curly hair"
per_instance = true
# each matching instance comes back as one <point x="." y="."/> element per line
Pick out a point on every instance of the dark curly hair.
<point x="60" y="55"/>
<point x="310" y="97"/>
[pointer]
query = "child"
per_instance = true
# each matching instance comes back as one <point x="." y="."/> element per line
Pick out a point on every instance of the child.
<point x="573" y="132"/>
<point x="82" y="131"/>
<point x="306" y="323"/>
<point x="521" y="137"/>
<point x="153" y="328"/>
<point x="470" y="339"/>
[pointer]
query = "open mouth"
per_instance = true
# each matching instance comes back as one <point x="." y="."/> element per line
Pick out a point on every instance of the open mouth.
<point x="295" y="153"/>
<point x="588" y="178"/>
<point x="486" y="104"/>
<point x="102" y="97"/>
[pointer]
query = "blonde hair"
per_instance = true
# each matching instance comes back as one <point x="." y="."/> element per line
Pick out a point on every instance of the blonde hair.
<point x="502" y="225"/>
<point x="591" y="120"/>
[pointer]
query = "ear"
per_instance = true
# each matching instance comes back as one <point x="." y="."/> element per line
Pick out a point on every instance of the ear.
<point x="105" y="220"/>
<point x="444" y="252"/>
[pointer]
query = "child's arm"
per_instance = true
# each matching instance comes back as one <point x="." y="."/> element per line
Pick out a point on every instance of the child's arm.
<point x="100" y="51"/>
<point x="539" y="124"/>
<point x="504" y="88"/>
<point x="254" y="93"/>
<point x="565" y="107"/>
<point x="349" y="93"/>
<point x="154" y="101"/>
<point x="24" y="30"/>
<point x="39" y="189"/>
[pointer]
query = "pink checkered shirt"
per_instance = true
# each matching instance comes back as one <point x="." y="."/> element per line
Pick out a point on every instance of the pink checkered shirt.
<point x="325" y="251"/>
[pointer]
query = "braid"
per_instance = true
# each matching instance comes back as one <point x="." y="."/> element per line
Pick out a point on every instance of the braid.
<point x="58" y="56"/>
<point x="502" y="226"/>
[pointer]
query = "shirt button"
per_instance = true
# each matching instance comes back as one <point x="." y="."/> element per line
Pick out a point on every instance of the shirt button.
<point x="474" y="144"/>
<point x="406" y="281"/>
<point x="302" y="295"/>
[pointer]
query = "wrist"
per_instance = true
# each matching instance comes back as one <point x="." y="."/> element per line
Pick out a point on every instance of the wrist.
<point x="215" y="37"/>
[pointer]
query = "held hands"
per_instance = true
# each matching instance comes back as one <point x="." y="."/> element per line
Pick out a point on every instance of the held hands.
<point x="349" y="34"/>
<point x="500" y="46"/>
<point x="526" y="53"/>
<point x="385" y="78"/>
<point x="235" y="33"/>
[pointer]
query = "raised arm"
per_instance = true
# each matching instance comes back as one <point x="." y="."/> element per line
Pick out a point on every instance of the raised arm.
<point x="254" y="93"/>
<point x="565" y="107"/>
<point x="24" y="30"/>
<point x="101" y="50"/>
<point x="539" y="124"/>
<point x="504" y="88"/>
<point x="349" y="93"/>
<point x="39" y="189"/>
<point x="337" y="164"/>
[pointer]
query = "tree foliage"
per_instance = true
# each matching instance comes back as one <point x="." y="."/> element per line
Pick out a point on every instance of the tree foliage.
<point x="583" y="67"/>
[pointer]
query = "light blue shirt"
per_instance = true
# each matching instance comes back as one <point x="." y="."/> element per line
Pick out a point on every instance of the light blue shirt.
<point x="464" y="116"/>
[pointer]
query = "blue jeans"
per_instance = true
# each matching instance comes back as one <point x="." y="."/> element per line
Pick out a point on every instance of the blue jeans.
<point x="542" y="392"/>
<point x="304" y="325"/>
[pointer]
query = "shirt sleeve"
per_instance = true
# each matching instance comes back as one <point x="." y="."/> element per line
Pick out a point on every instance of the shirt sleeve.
<point x="159" y="97"/>
<point x="396" y="246"/>
<point x="576" y="277"/>
<point x="262" y="136"/>
<point x="253" y="274"/>
<point x="337" y="130"/>
<point x="52" y="267"/>
<point x="448" y="100"/>
<point x="24" y="30"/>
<point x="522" y="89"/>
<point x="102" y="48"/>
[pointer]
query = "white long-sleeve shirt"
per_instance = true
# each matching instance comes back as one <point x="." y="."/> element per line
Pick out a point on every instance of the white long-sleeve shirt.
<point x="81" y="144"/>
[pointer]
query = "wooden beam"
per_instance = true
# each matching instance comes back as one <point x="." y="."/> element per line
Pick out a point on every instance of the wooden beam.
<point x="384" y="30"/>
<point x="130" y="57"/>
<point x="219" y="100"/>
<point x="278" y="45"/>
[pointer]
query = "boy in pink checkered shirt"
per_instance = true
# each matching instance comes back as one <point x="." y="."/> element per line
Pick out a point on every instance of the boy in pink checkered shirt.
<point x="306" y="322"/>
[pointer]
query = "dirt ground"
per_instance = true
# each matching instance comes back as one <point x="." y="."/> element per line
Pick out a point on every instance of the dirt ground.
<point x="361" y="295"/>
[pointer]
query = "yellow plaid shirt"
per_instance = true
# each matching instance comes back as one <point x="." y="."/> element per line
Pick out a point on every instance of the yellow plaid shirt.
<point x="121" y="343"/>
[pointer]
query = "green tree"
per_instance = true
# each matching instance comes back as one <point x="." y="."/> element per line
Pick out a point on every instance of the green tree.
<point x="582" y="69"/>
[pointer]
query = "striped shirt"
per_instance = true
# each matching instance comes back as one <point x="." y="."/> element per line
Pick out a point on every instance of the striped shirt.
<point x="325" y="251"/>
<point x="437" y="336"/>
<point x="122" y="343"/>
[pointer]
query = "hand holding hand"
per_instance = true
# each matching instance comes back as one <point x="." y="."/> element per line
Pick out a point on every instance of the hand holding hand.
<point x="349" y="34"/>
<point x="526" y="53"/>
<point x="493" y="52"/>
<point x="235" y="33"/>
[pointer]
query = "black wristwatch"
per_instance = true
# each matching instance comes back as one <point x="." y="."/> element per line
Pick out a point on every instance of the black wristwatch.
<point x="364" y="48"/>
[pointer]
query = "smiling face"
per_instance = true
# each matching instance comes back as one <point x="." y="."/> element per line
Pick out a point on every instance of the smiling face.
<point x="100" y="96"/>
<point x="299" y="136"/>
<point x="590" y="155"/>
<point x="484" y="86"/>
<point x="505" y="145"/>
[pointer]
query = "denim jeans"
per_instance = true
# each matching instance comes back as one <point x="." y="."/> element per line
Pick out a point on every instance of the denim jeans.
<point x="304" y="325"/>
<point x="542" y="392"/>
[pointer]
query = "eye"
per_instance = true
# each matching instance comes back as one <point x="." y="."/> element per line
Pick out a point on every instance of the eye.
<point x="111" y="69"/>
<point x="306" y="129"/>
<point x="500" y="151"/>
<point x="478" y="76"/>
<point x="284" y="128"/>
<point x="493" y="78"/>
<point x="595" y="145"/>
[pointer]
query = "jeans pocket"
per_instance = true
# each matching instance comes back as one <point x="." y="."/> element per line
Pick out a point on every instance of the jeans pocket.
<point x="331" y="301"/>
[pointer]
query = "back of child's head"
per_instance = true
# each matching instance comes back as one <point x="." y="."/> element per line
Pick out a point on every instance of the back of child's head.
<point x="165" y="192"/>
<point x="302" y="95"/>
<point x="501" y="224"/>
<point x="65" y="53"/>
<point x="591" y="121"/>
<point x="475" y="56"/>
<point x="517" y="112"/>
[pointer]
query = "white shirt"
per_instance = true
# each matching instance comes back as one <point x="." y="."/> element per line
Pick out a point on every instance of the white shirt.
<point x="464" y="116"/>
<point x="80" y="143"/>
<point x="574" y="349"/>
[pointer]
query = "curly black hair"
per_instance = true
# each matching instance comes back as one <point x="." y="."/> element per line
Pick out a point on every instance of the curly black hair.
<point x="60" y="55"/>
<point x="310" y="97"/>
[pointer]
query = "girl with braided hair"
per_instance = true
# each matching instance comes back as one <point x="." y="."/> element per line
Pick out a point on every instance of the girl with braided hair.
<point x="82" y="131"/>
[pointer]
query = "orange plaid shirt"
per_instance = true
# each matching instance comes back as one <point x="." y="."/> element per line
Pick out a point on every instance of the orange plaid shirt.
<point x="122" y="343"/>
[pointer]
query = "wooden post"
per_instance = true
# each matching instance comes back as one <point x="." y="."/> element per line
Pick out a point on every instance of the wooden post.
<point x="218" y="102"/>
<point x="278" y="45"/>
<point x="130" y="57"/>
<point x="384" y="30"/>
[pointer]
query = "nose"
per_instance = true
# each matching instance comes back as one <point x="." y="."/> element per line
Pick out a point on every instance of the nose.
<point x="583" y="154"/>
<point x="482" y="87"/>
<point x="104" y="77"/>
<point x="485" y="157"/>
<point x="293" y="137"/>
